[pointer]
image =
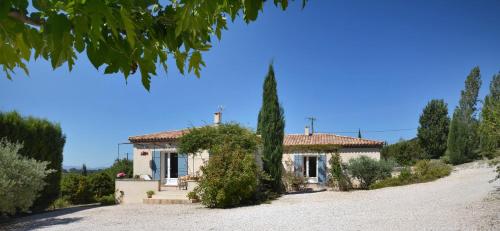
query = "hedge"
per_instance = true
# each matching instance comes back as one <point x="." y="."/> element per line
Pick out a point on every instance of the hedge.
<point x="43" y="141"/>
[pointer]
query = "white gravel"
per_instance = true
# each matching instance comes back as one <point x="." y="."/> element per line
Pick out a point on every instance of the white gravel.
<point x="463" y="201"/>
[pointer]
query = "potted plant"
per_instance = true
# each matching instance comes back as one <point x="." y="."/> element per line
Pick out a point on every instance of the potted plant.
<point x="150" y="193"/>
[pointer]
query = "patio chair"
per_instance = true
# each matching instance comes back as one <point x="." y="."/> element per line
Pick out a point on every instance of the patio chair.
<point x="182" y="183"/>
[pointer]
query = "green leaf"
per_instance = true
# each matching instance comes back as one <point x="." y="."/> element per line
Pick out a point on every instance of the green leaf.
<point x="180" y="60"/>
<point x="129" y="26"/>
<point x="195" y="62"/>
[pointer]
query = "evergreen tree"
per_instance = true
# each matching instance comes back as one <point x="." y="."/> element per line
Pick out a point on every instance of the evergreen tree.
<point x="489" y="129"/>
<point x="84" y="170"/>
<point x="463" y="139"/>
<point x="271" y="126"/>
<point x="433" y="130"/>
<point x="359" y="133"/>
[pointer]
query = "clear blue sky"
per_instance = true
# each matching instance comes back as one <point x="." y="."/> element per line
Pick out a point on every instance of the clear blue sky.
<point x="371" y="65"/>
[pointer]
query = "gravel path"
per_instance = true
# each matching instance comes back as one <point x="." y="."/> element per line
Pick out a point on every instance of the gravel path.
<point x="463" y="201"/>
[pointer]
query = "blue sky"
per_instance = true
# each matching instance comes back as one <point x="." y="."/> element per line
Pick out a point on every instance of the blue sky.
<point x="371" y="65"/>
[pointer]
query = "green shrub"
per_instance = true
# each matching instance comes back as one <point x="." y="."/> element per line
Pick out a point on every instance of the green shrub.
<point x="61" y="203"/>
<point x="424" y="171"/>
<point x="107" y="200"/>
<point x="21" y="179"/>
<point x="193" y="196"/>
<point x="229" y="179"/>
<point x="428" y="170"/>
<point x="368" y="170"/>
<point x="43" y="141"/>
<point x="338" y="177"/>
<point x="120" y="165"/>
<point x="101" y="184"/>
<point x="404" y="152"/>
<point x="231" y="176"/>
<point x="76" y="189"/>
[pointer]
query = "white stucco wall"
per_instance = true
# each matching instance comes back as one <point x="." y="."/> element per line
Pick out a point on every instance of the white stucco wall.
<point x="141" y="163"/>
<point x="133" y="190"/>
<point x="345" y="154"/>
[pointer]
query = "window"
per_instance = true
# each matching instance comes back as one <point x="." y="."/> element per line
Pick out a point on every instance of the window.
<point x="310" y="166"/>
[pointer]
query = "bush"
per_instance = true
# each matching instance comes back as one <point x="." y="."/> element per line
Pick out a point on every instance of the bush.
<point x="21" y="179"/>
<point x="193" y="196"/>
<point x="291" y="180"/>
<point x="231" y="176"/>
<point x="61" y="203"/>
<point x="338" y="174"/>
<point x="428" y="170"/>
<point x="424" y="171"/>
<point x="76" y="189"/>
<point x="107" y="200"/>
<point x="368" y="170"/>
<point x="229" y="179"/>
<point x="101" y="184"/>
<point x="120" y="165"/>
<point x="43" y="141"/>
<point x="405" y="152"/>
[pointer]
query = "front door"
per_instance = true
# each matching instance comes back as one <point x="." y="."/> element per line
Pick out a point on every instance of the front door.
<point x="172" y="168"/>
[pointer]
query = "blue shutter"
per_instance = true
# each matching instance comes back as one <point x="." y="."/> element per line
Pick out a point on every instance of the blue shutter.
<point x="155" y="165"/>
<point x="321" y="169"/>
<point x="298" y="164"/>
<point x="182" y="169"/>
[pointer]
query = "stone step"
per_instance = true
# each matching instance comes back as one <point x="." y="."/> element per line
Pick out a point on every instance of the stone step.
<point x="157" y="201"/>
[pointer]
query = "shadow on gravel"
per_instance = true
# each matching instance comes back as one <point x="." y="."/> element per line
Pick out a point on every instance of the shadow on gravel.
<point x="43" y="220"/>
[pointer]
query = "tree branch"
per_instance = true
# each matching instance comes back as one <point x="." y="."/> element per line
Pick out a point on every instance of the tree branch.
<point x="25" y="19"/>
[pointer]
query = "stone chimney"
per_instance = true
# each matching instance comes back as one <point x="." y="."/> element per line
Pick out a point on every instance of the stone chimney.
<point x="306" y="131"/>
<point x="217" y="118"/>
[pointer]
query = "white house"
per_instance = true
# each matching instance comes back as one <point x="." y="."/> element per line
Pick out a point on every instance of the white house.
<point x="156" y="154"/>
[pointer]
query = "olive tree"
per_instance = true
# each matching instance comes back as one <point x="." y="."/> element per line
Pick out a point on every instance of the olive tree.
<point x="21" y="178"/>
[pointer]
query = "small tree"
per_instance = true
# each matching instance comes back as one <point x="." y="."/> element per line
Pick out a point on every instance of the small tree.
<point x="21" y="178"/>
<point x="231" y="177"/>
<point x="433" y="130"/>
<point x="463" y="139"/>
<point x="120" y="165"/>
<point x="271" y="126"/>
<point x="489" y="129"/>
<point x="359" y="133"/>
<point x="404" y="152"/>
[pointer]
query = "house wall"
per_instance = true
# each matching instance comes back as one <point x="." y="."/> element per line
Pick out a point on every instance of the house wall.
<point x="141" y="162"/>
<point x="134" y="190"/>
<point x="345" y="154"/>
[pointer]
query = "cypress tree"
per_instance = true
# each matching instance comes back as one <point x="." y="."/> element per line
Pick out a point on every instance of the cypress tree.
<point x="434" y="127"/>
<point x="271" y="127"/>
<point x="463" y="139"/>
<point x="359" y="133"/>
<point x="84" y="170"/>
<point x="489" y="129"/>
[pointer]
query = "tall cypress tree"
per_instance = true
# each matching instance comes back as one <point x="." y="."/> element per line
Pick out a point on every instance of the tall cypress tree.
<point x="271" y="127"/>
<point x="463" y="139"/>
<point x="84" y="170"/>
<point x="489" y="129"/>
<point x="434" y="126"/>
<point x="359" y="133"/>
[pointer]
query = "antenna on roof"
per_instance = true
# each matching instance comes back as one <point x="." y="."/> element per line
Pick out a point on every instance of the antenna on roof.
<point x="312" y="119"/>
<point x="220" y="108"/>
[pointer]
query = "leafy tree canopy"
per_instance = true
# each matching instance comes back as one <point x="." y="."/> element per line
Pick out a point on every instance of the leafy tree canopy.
<point x="433" y="130"/>
<point x="123" y="35"/>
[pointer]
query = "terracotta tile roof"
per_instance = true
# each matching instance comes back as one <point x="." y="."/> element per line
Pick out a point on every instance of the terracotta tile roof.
<point x="159" y="136"/>
<point x="329" y="139"/>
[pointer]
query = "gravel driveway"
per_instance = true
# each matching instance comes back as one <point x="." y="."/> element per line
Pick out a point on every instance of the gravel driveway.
<point x="463" y="201"/>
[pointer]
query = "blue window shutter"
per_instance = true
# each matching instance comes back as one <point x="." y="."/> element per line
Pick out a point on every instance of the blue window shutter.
<point x="321" y="169"/>
<point x="155" y="165"/>
<point x="298" y="164"/>
<point x="182" y="165"/>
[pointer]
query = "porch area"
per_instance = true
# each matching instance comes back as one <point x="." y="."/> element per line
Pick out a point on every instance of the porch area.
<point x="129" y="191"/>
